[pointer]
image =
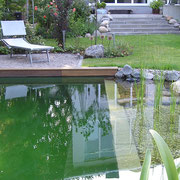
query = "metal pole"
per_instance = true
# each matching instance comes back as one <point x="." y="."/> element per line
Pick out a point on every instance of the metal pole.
<point x="27" y="10"/>
<point x="33" y="11"/>
<point x="96" y="21"/>
<point x="64" y="37"/>
<point x="114" y="40"/>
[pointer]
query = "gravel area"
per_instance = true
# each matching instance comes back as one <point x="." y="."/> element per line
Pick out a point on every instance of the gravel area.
<point x="56" y="61"/>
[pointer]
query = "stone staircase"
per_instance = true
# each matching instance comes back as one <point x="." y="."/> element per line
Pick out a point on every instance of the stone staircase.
<point x="133" y="24"/>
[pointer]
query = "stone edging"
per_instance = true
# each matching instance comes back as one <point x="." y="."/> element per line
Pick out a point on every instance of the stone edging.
<point x="130" y="74"/>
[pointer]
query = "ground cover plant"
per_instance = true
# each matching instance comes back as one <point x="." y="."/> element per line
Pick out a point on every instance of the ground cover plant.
<point x="149" y="51"/>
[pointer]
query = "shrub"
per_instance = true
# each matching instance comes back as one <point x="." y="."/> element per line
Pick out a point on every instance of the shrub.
<point x="82" y="10"/>
<point x="79" y="22"/>
<point x="31" y="35"/>
<point x="44" y="17"/>
<point x="10" y="7"/>
<point x="4" y="49"/>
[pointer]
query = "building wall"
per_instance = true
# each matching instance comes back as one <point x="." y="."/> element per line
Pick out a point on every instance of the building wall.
<point x="172" y="10"/>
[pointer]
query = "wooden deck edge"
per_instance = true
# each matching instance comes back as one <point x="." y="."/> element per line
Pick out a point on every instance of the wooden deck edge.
<point x="81" y="72"/>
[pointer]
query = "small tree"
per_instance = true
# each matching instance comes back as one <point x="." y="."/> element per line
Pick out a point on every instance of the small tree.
<point x="61" y="19"/>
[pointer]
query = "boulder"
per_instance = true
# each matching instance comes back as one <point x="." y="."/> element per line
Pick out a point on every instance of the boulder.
<point x="172" y="76"/>
<point x="95" y="51"/>
<point x="176" y="25"/>
<point x="136" y="74"/>
<point x="103" y="29"/>
<point x="148" y="75"/>
<point x="169" y="18"/>
<point x="172" y="21"/>
<point x="127" y="70"/>
<point x="119" y="74"/>
<point x="107" y="17"/>
<point x="88" y="35"/>
<point x="176" y="86"/>
<point x="105" y="23"/>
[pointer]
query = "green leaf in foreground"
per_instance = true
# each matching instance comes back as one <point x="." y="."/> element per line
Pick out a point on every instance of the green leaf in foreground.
<point x="146" y="166"/>
<point x="178" y="169"/>
<point x="166" y="156"/>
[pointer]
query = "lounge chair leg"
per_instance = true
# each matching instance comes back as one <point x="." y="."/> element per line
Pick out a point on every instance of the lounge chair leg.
<point x="47" y="56"/>
<point x="30" y="57"/>
<point x="11" y="54"/>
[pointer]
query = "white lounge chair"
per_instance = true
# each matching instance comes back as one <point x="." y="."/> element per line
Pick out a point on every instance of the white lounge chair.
<point x="12" y="29"/>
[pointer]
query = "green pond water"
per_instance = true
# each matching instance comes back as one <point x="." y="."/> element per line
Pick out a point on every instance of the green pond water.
<point x="82" y="128"/>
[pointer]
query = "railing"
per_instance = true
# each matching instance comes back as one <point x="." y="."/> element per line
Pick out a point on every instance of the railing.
<point x="173" y="2"/>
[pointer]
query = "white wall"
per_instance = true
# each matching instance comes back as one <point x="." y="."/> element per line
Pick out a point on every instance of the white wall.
<point x="172" y="10"/>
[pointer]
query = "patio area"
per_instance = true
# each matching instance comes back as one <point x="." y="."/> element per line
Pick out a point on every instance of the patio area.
<point x="56" y="61"/>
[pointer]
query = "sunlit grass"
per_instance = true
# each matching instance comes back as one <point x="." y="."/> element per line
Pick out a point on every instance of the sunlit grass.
<point x="149" y="51"/>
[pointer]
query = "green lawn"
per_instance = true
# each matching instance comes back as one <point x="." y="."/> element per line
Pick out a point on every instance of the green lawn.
<point x="149" y="51"/>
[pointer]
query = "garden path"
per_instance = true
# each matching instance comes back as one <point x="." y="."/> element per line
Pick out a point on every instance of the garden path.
<point x="57" y="61"/>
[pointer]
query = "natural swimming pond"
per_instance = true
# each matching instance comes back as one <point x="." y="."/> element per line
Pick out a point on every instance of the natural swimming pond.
<point x="91" y="128"/>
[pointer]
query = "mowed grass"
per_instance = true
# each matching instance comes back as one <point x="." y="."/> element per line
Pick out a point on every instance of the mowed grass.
<point x="149" y="51"/>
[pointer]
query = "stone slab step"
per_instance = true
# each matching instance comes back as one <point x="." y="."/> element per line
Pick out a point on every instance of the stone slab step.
<point x="147" y="33"/>
<point x="144" y="29"/>
<point x="136" y="16"/>
<point x="138" y="19"/>
<point x="116" y="26"/>
<point x="139" y="22"/>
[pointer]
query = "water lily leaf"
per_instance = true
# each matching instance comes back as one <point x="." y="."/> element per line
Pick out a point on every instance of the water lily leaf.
<point x="146" y="166"/>
<point x="166" y="156"/>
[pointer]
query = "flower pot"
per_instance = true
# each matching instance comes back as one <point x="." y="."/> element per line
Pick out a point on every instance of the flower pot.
<point x="155" y="11"/>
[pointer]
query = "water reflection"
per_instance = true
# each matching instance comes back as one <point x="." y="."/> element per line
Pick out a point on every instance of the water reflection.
<point x="54" y="131"/>
<point x="93" y="130"/>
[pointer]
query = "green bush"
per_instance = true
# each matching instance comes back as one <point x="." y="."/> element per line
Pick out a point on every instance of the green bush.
<point x="31" y="35"/>
<point x="10" y="7"/>
<point x="79" y="22"/>
<point x="4" y="49"/>
<point x="44" y="18"/>
<point x="82" y="10"/>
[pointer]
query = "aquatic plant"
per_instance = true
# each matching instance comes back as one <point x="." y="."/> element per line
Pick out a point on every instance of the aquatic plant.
<point x="158" y="100"/>
<point x="166" y="156"/>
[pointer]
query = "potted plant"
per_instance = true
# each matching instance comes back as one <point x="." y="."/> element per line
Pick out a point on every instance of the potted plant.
<point x="101" y="8"/>
<point x="101" y="5"/>
<point x="155" y="5"/>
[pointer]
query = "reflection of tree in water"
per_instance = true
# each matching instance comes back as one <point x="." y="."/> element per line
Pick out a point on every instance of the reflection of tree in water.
<point x="87" y="109"/>
<point x="36" y="131"/>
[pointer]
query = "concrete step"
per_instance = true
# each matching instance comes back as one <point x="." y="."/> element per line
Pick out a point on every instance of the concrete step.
<point x="136" y="15"/>
<point x="138" y="19"/>
<point x="144" y="29"/>
<point x="116" y="26"/>
<point x="139" y="22"/>
<point x="147" y="33"/>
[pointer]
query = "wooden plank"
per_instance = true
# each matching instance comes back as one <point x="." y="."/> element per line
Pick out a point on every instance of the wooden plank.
<point x="100" y="71"/>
